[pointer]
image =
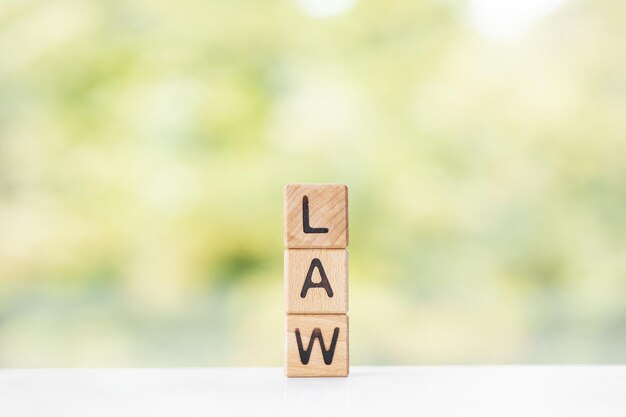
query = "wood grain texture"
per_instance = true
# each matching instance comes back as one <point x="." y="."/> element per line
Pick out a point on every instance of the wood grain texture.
<point x="331" y="268"/>
<point x="327" y="208"/>
<point x="306" y="325"/>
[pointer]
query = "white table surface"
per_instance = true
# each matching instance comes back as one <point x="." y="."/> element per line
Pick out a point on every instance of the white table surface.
<point x="368" y="391"/>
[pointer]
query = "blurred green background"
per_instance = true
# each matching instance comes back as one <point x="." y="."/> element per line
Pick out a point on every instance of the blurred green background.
<point x="144" y="147"/>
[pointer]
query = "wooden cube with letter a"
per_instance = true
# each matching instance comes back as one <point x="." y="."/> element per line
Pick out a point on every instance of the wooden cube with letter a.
<point x="316" y="345"/>
<point x="316" y="216"/>
<point x="316" y="281"/>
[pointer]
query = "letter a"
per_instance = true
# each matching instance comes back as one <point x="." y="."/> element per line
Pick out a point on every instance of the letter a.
<point x="308" y="281"/>
<point x="305" y="355"/>
<point x="305" y="219"/>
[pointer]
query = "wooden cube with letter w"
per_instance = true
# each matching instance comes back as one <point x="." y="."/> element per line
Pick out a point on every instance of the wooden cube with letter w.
<point x="317" y="345"/>
<point x="316" y="280"/>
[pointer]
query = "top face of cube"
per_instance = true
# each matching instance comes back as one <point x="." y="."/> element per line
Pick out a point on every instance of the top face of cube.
<point x="316" y="216"/>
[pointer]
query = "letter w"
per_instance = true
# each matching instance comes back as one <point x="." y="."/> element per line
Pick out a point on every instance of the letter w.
<point x="305" y="355"/>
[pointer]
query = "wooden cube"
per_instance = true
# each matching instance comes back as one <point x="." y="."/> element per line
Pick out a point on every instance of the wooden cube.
<point x="316" y="345"/>
<point x="316" y="216"/>
<point x="316" y="281"/>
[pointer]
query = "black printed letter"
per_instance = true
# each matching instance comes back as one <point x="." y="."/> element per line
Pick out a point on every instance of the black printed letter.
<point x="305" y="219"/>
<point x="308" y="282"/>
<point x="305" y="355"/>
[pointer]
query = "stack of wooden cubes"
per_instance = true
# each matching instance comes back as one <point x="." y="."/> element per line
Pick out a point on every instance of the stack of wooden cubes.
<point x="316" y="280"/>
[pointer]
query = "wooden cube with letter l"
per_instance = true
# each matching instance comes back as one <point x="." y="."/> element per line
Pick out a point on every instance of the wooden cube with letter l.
<point x="316" y="216"/>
